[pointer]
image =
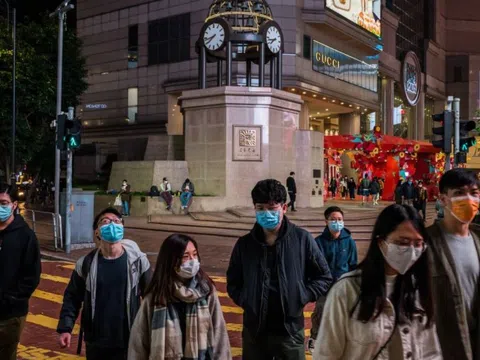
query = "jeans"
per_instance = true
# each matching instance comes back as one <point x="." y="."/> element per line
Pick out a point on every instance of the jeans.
<point x="99" y="353"/>
<point x="10" y="331"/>
<point x="269" y="347"/>
<point x="185" y="198"/>
<point x="126" y="208"/>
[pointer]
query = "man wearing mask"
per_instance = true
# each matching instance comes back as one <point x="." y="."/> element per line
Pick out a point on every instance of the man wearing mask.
<point x="292" y="190"/>
<point x="274" y="271"/>
<point x="454" y="258"/>
<point x="340" y="252"/>
<point x="166" y="193"/>
<point x="107" y="284"/>
<point x="408" y="192"/>
<point x="20" y="268"/>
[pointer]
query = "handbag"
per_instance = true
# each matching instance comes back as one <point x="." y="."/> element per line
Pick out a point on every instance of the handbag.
<point x="118" y="201"/>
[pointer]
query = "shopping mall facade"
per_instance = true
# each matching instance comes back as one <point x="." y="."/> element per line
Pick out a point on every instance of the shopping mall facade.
<point x="355" y="63"/>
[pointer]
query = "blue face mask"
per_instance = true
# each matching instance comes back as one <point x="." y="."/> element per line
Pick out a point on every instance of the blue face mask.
<point x="111" y="233"/>
<point x="335" y="226"/>
<point x="268" y="219"/>
<point x="409" y="183"/>
<point x="5" y="212"/>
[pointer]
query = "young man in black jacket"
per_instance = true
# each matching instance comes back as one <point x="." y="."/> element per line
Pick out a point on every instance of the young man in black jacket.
<point x="274" y="271"/>
<point x="109" y="282"/>
<point x="20" y="268"/>
<point x="292" y="190"/>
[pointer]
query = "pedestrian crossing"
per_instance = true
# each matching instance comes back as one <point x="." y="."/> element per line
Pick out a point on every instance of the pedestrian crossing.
<point x="39" y="339"/>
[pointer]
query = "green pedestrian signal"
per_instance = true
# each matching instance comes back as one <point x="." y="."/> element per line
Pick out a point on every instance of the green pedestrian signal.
<point x="74" y="137"/>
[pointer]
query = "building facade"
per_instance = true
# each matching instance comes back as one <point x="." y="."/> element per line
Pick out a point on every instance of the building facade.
<point x="356" y="64"/>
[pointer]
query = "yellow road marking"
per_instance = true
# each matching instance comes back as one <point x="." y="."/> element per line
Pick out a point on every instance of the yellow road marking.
<point x="48" y="296"/>
<point x="239" y="327"/>
<point x="35" y="353"/>
<point x="236" y="351"/>
<point x="232" y="309"/>
<point x="220" y="279"/>
<point x="47" y="322"/>
<point x="59" y="279"/>
<point x="69" y="266"/>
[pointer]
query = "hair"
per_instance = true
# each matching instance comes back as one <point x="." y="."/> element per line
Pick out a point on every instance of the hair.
<point x="371" y="300"/>
<point x="366" y="176"/>
<point x="162" y="285"/>
<point x="269" y="191"/>
<point x="331" y="210"/>
<point x="164" y="179"/>
<point x="292" y="173"/>
<point x="187" y="180"/>
<point x="400" y="182"/>
<point x="125" y="180"/>
<point x="10" y="190"/>
<point x="109" y="210"/>
<point x="457" y="178"/>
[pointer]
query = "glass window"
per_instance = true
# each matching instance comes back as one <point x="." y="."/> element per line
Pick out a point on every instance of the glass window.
<point x="169" y="40"/>
<point x="132" y="105"/>
<point x="457" y="74"/>
<point x="307" y="47"/>
<point x="133" y="46"/>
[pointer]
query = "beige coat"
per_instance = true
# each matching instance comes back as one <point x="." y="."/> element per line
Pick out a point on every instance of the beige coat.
<point x="344" y="337"/>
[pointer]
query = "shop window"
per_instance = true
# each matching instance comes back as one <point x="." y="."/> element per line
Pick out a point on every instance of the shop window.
<point x="133" y="46"/>
<point x="169" y="40"/>
<point x="457" y="74"/>
<point x="132" y="105"/>
<point x="307" y="47"/>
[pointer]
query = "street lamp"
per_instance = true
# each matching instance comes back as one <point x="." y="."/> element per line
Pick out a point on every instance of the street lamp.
<point x="14" y="82"/>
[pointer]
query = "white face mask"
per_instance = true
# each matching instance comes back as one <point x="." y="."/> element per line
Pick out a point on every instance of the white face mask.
<point x="189" y="269"/>
<point x="401" y="258"/>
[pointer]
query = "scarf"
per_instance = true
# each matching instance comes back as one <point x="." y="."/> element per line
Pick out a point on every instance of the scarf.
<point x="166" y="335"/>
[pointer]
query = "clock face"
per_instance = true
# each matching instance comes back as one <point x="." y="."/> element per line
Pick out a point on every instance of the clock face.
<point x="214" y="36"/>
<point x="274" y="39"/>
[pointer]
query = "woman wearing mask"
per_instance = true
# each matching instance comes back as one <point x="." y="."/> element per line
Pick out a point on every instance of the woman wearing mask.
<point x="384" y="309"/>
<point x="181" y="316"/>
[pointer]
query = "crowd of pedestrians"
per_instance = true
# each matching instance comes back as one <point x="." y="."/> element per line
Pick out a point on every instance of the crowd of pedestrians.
<point x="414" y="296"/>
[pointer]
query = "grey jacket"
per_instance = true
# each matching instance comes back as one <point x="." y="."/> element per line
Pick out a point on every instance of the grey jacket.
<point x="451" y="318"/>
<point x="83" y="286"/>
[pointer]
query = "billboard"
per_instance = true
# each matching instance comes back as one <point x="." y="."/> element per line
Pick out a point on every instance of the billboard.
<point x="364" y="13"/>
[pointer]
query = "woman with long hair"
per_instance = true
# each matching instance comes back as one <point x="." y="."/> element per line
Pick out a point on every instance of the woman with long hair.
<point x="181" y="316"/>
<point x="384" y="309"/>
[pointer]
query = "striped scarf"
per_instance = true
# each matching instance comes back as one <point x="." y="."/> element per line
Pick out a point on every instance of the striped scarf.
<point x="166" y="335"/>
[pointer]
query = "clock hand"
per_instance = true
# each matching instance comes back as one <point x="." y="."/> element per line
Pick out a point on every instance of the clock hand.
<point x="209" y="40"/>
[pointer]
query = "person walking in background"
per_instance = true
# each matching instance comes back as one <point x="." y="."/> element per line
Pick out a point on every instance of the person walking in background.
<point x="344" y="187"/>
<point x="455" y="261"/>
<point x="107" y="284"/>
<point x="439" y="209"/>
<point x="384" y="309"/>
<point x="352" y="187"/>
<point x="340" y="252"/>
<point x="375" y="191"/>
<point x="399" y="193"/>
<point x="333" y="187"/>
<point x="365" y="189"/>
<point x="381" y="183"/>
<point x="408" y="192"/>
<point x="181" y="316"/>
<point x="421" y="199"/>
<point x="188" y="190"/>
<point x="20" y="268"/>
<point x="126" y="197"/>
<point x="274" y="271"/>
<point x="166" y="193"/>
<point x="292" y="190"/>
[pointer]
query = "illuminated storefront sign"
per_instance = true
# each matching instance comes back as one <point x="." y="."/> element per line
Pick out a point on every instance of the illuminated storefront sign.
<point x="334" y="63"/>
<point x="364" y="13"/>
<point x="411" y="78"/>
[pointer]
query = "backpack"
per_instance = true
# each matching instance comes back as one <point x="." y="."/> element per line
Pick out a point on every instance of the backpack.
<point x="365" y="184"/>
<point x="154" y="191"/>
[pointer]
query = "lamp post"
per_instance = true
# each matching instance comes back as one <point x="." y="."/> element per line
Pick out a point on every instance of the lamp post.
<point x="14" y="82"/>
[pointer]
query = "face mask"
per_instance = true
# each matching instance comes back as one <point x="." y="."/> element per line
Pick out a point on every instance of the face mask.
<point x="401" y="258"/>
<point x="189" y="269"/>
<point x="335" y="226"/>
<point x="420" y="186"/>
<point x="464" y="208"/>
<point x="111" y="233"/>
<point x="5" y="213"/>
<point x="268" y="220"/>
<point x="409" y="183"/>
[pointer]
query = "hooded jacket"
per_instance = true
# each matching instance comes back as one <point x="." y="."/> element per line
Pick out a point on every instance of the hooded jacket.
<point x="82" y="290"/>
<point x="20" y="268"/>
<point x="303" y="275"/>
<point x="340" y="253"/>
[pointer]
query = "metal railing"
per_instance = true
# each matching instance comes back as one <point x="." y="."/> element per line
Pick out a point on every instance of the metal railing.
<point x="47" y="226"/>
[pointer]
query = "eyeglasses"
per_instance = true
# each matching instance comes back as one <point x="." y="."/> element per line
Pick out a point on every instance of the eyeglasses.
<point x="106" y="221"/>
<point x="404" y="244"/>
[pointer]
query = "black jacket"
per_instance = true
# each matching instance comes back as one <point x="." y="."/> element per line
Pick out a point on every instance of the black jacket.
<point x="374" y="188"/>
<point x="20" y="268"/>
<point x="408" y="191"/>
<point x="303" y="275"/>
<point x="291" y="185"/>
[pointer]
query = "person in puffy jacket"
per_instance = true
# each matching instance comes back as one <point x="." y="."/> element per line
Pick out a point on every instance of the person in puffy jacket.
<point x="385" y="308"/>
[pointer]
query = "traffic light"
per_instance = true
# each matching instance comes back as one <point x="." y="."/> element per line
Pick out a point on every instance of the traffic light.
<point x="74" y="136"/>
<point x="61" y="132"/>
<point x="467" y="141"/>
<point x="445" y="131"/>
